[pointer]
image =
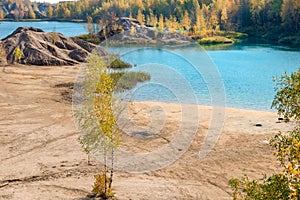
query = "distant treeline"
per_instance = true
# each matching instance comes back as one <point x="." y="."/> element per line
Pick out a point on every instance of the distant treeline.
<point x="199" y="17"/>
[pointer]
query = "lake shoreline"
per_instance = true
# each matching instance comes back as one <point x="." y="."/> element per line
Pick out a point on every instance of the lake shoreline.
<point x="38" y="123"/>
<point x="283" y="41"/>
<point x="241" y="70"/>
<point x="206" y="106"/>
<point x="228" y="60"/>
<point x="43" y="20"/>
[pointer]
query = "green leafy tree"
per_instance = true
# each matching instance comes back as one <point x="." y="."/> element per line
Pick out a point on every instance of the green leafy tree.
<point x="287" y="99"/>
<point x="272" y="188"/>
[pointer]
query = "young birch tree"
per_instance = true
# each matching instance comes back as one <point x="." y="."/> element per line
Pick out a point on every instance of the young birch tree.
<point x="97" y="119"/>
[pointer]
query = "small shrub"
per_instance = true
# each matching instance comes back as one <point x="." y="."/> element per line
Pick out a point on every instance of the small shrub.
<point x="119" y="64"/>
<point x="233" y="34"/>
<point x="127" y="80"/>
<point x="215" y="40"/>
<point x="18" y="54"/>
<point x="272" y="188"/>
<point x="54" y="37"/>
<point x="101" y="186"/>
<point x="92" y="38"/>
<point x="288" y="153"/>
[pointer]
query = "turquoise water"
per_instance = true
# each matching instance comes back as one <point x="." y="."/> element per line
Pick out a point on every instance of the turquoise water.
<point x="245" y="71"/>
<point x="248" y="73"/>
<point x="193" y="75"/>
<point x="66" y="28"/>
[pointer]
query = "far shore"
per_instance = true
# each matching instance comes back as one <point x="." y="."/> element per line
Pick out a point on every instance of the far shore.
<point x="41" y="20"/>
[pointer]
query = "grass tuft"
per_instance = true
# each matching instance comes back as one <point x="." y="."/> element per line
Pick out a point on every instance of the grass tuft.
<point x="215" y="40"/>
<point x="127" y="80"/>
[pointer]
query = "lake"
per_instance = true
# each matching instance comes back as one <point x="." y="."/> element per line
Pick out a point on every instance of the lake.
<point x="195" y="75"/>
<point x="66" y="28"/>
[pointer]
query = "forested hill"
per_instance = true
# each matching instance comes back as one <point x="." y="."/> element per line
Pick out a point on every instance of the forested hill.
<point x="201" y="17"/>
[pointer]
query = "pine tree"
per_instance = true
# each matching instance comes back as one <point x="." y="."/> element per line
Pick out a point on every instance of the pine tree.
<point x="186" y="21"/>
<point x="152" y="19"/>
<point x="90" y="24"/>
<point x="67" y="13"/>
<point x="141" y="17"/>
<point x="161" y="23"/>
<point x="1" y="14"/>
<point x="213" y="22"/>
<point x="132" y="30"/>
<point x="169" y="23"/>
<point x="199" y="19"/>
<point x="32" y="14"/>
<point x="50" y="11"/>
<point x="175" y="25"/>
<point x="224" y="18"/>
<point x="290" y="15"/>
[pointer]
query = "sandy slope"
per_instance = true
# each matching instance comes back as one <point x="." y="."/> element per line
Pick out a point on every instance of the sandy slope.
<point x="40" y="157"/>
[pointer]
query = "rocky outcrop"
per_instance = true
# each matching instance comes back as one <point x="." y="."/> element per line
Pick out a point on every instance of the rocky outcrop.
<point x="127" y="30"/>
<point x="42" y="48"/>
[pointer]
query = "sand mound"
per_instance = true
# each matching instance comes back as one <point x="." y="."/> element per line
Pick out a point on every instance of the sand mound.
<point x="41" y="48"/>
<point x="128" y="30"/>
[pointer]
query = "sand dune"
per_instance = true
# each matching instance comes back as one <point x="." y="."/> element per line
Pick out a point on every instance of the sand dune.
<point x="41" y="158"/>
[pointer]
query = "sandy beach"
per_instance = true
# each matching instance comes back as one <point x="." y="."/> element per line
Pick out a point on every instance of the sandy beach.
<point x="41" y="158"/>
